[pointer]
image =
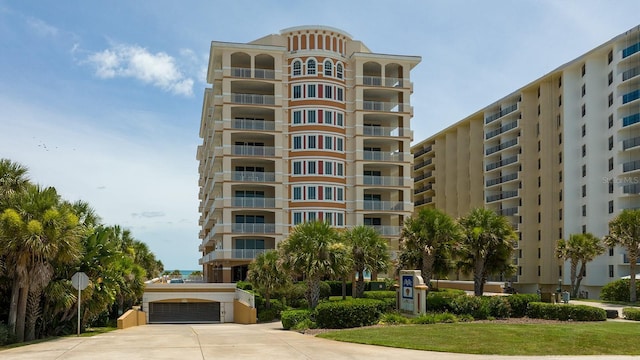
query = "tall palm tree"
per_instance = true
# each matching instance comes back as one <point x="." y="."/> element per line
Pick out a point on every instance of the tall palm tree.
<point x="266" y="274"/>
<point x="578" y="250"/>
<point x="624" y="230"/>
<point x="313" y="251"/>
<point x="431" y="233"/>
<point x="369" y="251"/>
<point x="13" y="179"/>
<point x="487" y="244"/>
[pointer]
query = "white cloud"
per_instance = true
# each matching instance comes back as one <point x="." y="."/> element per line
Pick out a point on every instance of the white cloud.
<point x="133" y="61"/>
<point x="41" y="27"/>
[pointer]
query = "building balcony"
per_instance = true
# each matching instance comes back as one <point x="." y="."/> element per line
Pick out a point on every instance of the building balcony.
<point x="383" y="156"/>
<point x="630" y="120"/>
<point x="631" y="96"/>
<point x="250" y="150"/>
<point x="508" y="211"/>
<point x="253" y="73"/>
<point x="505" y="145"/>
<point x="426" y="200"/>
<point x="252" y="124"/>
<point x="631" y="166"/>
<point x="631" y="143"/>
<point x="501" y="179"/>
<point x="501" y="196"/>
<point x="502" y="129"/>
<point x="235" y="254"/>
<point x="382" y="106"/>
<point x="383" y="180"/>
<point x="383" y="205"/>
<point x="630" y="50"/>
<point x="422" y="151"/>
<point x="426" y="162"/>
<point x="253" y="99"/>
<point x="253" y="176"/>
<point x="426" y="175"/>
<point x="630" y="74"/>
<point x="387" y="230"/>
<point x="380" y="81"/>
<point x="503" y="112"/>
<point x="259" y="203"/>
<point x="369" y="130"/>
<point x="631" y="189"/>
<point x="244" y="228"/>
<point x="423" y="189"/>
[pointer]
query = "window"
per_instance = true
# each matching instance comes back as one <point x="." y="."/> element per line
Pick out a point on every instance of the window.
<point x="328" y="142"/>
<point x="560" y="176"/>
<point x="339" y="119"/>
<point x="611" y="271"/>
<point x="560" y="157"/>
<point x="297" y="142"/>
<point x="297" y="91"/>
<point x="339" y="194"/>
<point x="311" y="193"/>
<point x="539" y="199"/>
<point x="328" y="92"/>
<point x="539" y="237"/>
<point x="584" y="190"/>
<point x="297" y="218"/>
<point x="311" y="215"/>
<point x="328" y="193"/>
<point x="584" y="150"/>
<point x="520" y="270"/>
<point x="339" y="94"/>
<point x="339" y="169"/>
<point x="328" y="68"/>
<point x="560" y="267"/>
<point x="311" y="116"/>
<point x="584" y="230"/>
<point x="611" y="207"/>
<point x="558" y="121"/>
<point x="311" y="90"/>
<point x="538" y="109"/>
<point x="328" y="117"/>
<point x="297" y="117"/>
<point x="311" y="167"/>
<point x="584" y="210"/>
<point x="610" y="77"/>
<point x="584" y="90"/>
<point x="311" y="67"/>
<point x="610" y="99"/>
<point x="539" y="217"/>
<point x="584" y="110"/>
<point x="539" y="254"/>
<point x="297" y="168"/>
<point x="610" y="121"/>
<point x="340" y="219"/>
<point x="610" y="142"/>
<point x="560" y="138"/>
<point x="584" y="69"/>
<point x="339" y="144"/>
<point x="559" y="82"/>
<point x="559" y="214"/>
<point x="538" y="91"/>
<point x="539" y="146"/>
<point x="610" y="163"/>
<point x="538" y="268"/>
<point x="584" y="130"/>
<point x="610" y="57"/>
<point x="560" y="195"/>
<point x="339" y="73"/>
<point x="311" y="142"/>
<point x="584" y="170"/>
<point x="560" y="235"/>
<point x="610" y="185"/>
<point x="560" y="100"/>
<point x="610" y="251"/>
<point x="297" y="68"/>
<point x="539" y="167"/>
<point x="539" y="181"/>
<point x="297" y="193"/>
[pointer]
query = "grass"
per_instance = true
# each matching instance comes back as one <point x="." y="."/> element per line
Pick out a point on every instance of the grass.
<point x="593" y="338"/>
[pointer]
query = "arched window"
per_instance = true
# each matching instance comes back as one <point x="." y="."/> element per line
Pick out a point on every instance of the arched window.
<point x="297" y="68"/>
<point x="339" y="74"/>
<point x="311" y="67"/>
<point x="328" y="68"/>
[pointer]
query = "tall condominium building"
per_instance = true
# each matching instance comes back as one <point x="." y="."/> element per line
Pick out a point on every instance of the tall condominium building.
<point x="558" y="156"/>
<point x="303" y="125"/>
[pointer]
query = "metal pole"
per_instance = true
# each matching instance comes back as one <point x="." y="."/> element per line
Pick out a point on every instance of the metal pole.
<point x="79" y="308"/>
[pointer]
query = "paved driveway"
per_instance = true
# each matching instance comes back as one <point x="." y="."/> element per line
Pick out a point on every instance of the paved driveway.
<point x="224" y="341"/>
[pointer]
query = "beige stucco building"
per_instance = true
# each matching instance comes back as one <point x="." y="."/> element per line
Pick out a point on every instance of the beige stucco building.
<point x="558" y="156"/>
<point x="301" y="125"/>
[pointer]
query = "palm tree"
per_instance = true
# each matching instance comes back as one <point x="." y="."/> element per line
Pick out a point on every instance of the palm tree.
<point x="266" y="274"/>
<point x="13" y="179"/>
<point x="368" y="252"/>
<point x="578" y="250"/>
<point x="313" y="251"/>
<point x="487" y="245"/>
<point x="426" y="237"/>
<point x="624" y="230"/>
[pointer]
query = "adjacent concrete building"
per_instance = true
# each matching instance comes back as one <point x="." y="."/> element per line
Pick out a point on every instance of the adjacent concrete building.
<point x="307" y="124"/>
<point x="559" y="156"/>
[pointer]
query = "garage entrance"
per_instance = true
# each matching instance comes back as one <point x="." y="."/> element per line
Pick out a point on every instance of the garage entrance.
<point x="184" y="312"/>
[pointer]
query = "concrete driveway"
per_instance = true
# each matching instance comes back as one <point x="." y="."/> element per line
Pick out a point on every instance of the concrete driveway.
<point x="226" y="341"/>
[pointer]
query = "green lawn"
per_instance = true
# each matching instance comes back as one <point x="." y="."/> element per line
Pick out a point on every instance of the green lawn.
<point x="588" y="338"/>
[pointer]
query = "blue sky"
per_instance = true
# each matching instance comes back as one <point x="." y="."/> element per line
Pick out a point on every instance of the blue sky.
<point x="102" y="100"/>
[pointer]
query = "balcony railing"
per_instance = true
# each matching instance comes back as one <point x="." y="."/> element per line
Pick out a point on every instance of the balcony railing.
<point x="264" y="74"/>
<point x="379" y="81"/>
<point x="631" y="166"/>
<point x="258" y="73"/>
<point x="252" y="124"/>
<point x="505" y="111"/>
<point x="423" y="151"/>
<point x="423" y="176"/>
<point x="504" y="145"/>
<point x="383" y="180"/>
<point x="502" y="195"/>
<point x="423" y="201"/>
<point x="241" y="72"/>
<point x="503" y="128"/>
<point x="501" y="179"/>
<point x="424" y="188"/>
<point x="383" y="205"/>
<point x="629" y="143"/>
<point x="250" y="150"/>
<point x="387" y="230"/>
<point x="508" y="211"/>
<point x="631" y="50"/>
<point x="245" y="228"/>
<point x="382" y="106"/>
<point x="246" y="202"/>
<point x="385" y="131"/>
<point x="631" y="189"/>
<point x="630" y="120"/>
<point x="501" y="163"/>
<point x="254" y="176"/>
<point x="629" y="97"/>
<point x="253" y="99"/>
<point x="631" y="73"/>
<point x="423" y="164"/>
<point x="233" y="254"/>
<point x="383" y="156"/>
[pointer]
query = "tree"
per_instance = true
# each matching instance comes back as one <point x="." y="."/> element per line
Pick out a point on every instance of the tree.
<point x="368" y="252"/>
<point x="487" y="245"/>
<point x="624" y="230"/>
<point x="13" y="179"/>
<point x="266" y="274"/>
<point x="427" y="237"/>
<point x="313" y="251"/>
<point x="578" y="250"/>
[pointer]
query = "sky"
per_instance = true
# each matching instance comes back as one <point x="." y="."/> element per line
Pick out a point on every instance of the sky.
<point x="102" y="100"/>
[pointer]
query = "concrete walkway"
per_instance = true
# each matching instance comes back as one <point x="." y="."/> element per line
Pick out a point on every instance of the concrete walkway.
<point x="228" y="341"/>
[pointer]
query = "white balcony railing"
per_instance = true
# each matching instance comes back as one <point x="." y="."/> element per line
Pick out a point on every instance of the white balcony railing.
<point x="382" y="106"/>
<point x="251" y="150"/>
<point x="245" y="202"/>
<point x="253" y="99"/>
<point x="383" y="180"/>
<point x="383" y="205"/>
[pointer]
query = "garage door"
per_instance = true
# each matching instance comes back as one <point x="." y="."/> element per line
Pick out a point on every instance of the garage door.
<point x="194" y="312"/>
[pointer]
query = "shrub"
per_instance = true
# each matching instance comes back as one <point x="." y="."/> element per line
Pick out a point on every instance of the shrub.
<point x="267" y="315"/>
<point x="304" y="325"/>
<point x="498" y="306"/>
<point x="244" y="285"/>
<point x="472" y="305"/>
<point x="518" y="303"/>
<point x="435" y="318"/>
<point x="379" y="295"/>
<point x="440" y="301"/>
<point x="631" y="313"/>
<point x="539" y="310"/>
<point x="290" y="318"/>
<point x="295" y="294"/>
<point x="393" y="318"/>
<point x="616" y="291"/>
<point x="6" y="337"/>
<point x="348" y="313"/>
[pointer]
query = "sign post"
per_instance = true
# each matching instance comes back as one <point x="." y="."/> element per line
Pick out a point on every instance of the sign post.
<point x="413" y="296"/>
<point x="79" y="281"/>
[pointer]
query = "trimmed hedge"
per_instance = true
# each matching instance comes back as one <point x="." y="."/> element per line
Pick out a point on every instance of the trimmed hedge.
<point x="616" y="291"/>
<point x="291" y="318"/>
<point x="348" y="313"/>
<point x="519" y="302"/>
<point x="440" y="301"/>
<point x="379" y="295"/>
<point x="631" y="313"/>
<point x="540" y="310"/>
